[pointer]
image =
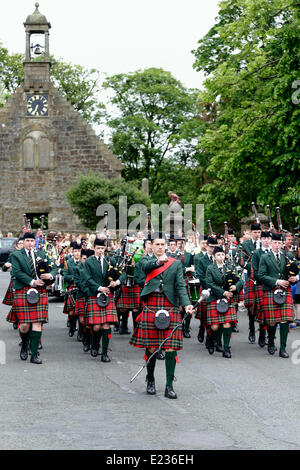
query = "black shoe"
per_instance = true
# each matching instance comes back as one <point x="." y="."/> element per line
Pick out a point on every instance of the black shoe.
<point x="251" y="336"/>
<point x="86" y="347"/>
<point x="169" y="393"/>
<point x="227" y="353"/>
<point x="271" y="348"/>
<point x="71" y="332"/>
<point x="160" y="355"/>
<point x="151" y="390"/>
<point x="15" y="325"/>
<point x="219" y="348"/>
<point x="116" y="328"/>
<point x="24" y="352"/>
<point x="35" y="360"/>
<point x="234" y="328"/>
<point x="94" y="352"/>
<point x="105" y="358"/>
<point x="124" y="331"/>
<point x="201" y="334"/>
<point x="186" y="334"/>
<point x="262" y="339"/>
<point x="283" y="353"/>
<point x="210" y="344"/>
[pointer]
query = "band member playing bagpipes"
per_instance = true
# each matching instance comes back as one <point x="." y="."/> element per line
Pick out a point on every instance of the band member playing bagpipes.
<point x="164" y="289"/>
<point x="221" y="314"/>
<point x="201" y="268"/>
<point x="81" y="300"/>
<point x="248" y="248"/>
<point x="101" y="310"/>
<point x="265" y="241"/>
<point x="30" y="302"/>
<point x="70" y="296"/>
<point x="277" y="301"/>
<point x="9" y="296"/>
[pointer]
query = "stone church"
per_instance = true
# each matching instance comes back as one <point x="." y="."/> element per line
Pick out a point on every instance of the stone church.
<point x="44" y="143"/>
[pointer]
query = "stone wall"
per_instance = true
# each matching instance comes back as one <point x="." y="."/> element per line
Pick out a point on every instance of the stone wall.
<point x="69" y="146"/>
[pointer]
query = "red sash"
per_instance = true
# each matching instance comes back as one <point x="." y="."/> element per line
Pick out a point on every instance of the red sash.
<point x="161" y="269"/>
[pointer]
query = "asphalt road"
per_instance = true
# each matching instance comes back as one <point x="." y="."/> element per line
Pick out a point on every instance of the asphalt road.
<point x="72" y="401"/>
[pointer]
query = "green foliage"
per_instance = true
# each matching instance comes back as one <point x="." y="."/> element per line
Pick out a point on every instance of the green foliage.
<point x="252" y="145"/>
<point x="153" y="121"/>
<point x="92" y="190"/>
<point x="11" y="71"/>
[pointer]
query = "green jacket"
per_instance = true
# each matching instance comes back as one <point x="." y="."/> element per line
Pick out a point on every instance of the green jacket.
<point x="201" y="268"/>
<point x="171" y="282"/>
<point x="93" y="277"/>
<point x="215" y="282"/>
<point x="21" y="267"/>
<point x="248" y="248"/>
<point x="79" y="279"/>
<point x="69" y="273"/>
<point x="269" y="271"/>
<point x="255" y="263"/>
<point x="139" y="273"/>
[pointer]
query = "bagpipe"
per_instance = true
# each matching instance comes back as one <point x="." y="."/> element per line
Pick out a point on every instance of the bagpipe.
<point x="231" y="279"/>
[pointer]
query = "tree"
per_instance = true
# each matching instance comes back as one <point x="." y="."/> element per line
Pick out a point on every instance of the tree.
<point x="149" y="120"/>
<point x="81" y="86"/>
<point x="251" y="144"/>
<point x="92" y="190"/>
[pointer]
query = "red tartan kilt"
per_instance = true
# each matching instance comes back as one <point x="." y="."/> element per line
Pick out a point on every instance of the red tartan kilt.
<point x="258" y="303"/>
<point x="69" y="302"/>
<point x="273" y="313"/>
<point x="96" y="315"/>
<point x="9" y="296"/>
<point x="250" y="294"/>
<point x="80" y="306"/>
<point x="27" y="313"/>
<point x="216" y="318"/>
<point x="146" y="335"/>
<point x="11" y="316"/>
<point x="129" y="298"/>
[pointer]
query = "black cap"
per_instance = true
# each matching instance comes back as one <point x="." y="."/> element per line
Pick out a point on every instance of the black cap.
<point x="29" y="235"/>
<point x="277" y="236"/>
<point x="212" y="241"/>
<point x="265" y="234"/>
<point x="76" y="246"/>
<point x="230" y="231"/>
<point x="99" y="242"/>
<point x="218" y="249"/>
<point x="255" y="226"/>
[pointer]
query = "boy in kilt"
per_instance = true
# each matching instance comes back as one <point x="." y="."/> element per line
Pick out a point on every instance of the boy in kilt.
<point x="265" y="241"/>
<point x="70" y="297"/>
<point x="24" y="270"/>
<point x="248" y="248"/>
<point x="164" y="288"/>
<point x="81" y="301"/>
<point x="272" y="274"/>
<point x="217" y="322"/>
<point x="92" y="283"/>
<point x="201" y="268"/>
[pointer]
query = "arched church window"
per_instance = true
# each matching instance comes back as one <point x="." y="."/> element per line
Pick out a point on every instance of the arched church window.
<point x="36" y="151"/>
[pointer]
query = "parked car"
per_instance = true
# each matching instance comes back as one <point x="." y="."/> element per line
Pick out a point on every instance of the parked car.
<point x="6" y="247"/>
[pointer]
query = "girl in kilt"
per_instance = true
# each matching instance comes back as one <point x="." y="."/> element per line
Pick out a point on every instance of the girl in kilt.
<point x="164" y="286"/>
<point x="92" y="283"/>
<point x="217" y="322"/>
<point x="273" y="276"/>
<point x="30" y="316"/>
<point x="70" y="297"/>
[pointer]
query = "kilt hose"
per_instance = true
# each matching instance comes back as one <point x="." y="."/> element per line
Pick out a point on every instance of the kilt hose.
<point x="69" y="302"/>
<point x="9" y="296"/>
<point x="129" y="298"/>
<point x="146" y="335"/>
<point x="273" y="313"/>
<point x="258" y="303"/>
<point x="201" y="312"/>
<point x="28" y="313"/>
<point x="96" y="315"/>
<point x="216" y="318"/>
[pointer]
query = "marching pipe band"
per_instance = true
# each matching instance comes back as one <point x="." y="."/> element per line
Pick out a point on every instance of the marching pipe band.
<point x="161" y="282"/>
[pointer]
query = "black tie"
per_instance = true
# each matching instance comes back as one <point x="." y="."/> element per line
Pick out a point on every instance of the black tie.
<point x="100" y="265"/>
<point x="278" y="260"/>
<point x="33" y="272"/>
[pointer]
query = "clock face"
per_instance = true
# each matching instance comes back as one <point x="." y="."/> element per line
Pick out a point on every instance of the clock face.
<point x="37" y="105"/>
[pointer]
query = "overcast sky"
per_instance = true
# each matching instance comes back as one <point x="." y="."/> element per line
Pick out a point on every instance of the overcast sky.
<point x="117" y="36"/>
